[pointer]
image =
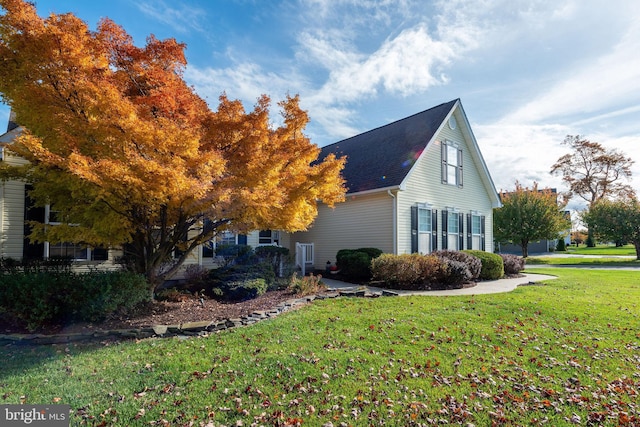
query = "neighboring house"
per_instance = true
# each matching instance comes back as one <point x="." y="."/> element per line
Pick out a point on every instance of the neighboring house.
<point x="415" y="185"/>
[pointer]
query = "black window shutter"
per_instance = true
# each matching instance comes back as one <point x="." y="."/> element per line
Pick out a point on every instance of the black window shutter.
<point x="469" y="234"/>
<point x="482" y="228"/>
<point x="445" y="228"/>
<point x="414" y="229"/>
<point x="460" y="231"/>
<point x="443" y="148"/>
<point x="460" y="168"/>
<point x="434" y="230"/>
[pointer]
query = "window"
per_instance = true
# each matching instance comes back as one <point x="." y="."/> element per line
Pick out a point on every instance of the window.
<point x="424" y="230"/>
<point x="70" y="250"/>
<point x="475" y="231"/>
<point x="453" y="236"/>
<point x="424" y="225"/>
<point x="226" y="238"/>
<point x="268" y="237"/>
<point x="451" y="164"/>
<point x="476" y="221"/>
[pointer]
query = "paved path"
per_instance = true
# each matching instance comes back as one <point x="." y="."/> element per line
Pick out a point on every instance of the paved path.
<point x="485" y="287"/>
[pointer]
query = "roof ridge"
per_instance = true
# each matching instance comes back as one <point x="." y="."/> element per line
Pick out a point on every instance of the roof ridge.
<point x="392" y="123"/>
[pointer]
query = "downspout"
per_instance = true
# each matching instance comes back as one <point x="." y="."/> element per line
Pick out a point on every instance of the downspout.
<point x="395" y="222"/>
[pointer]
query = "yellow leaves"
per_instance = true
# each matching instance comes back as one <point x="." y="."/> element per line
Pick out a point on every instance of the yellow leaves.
<point x="119" y="140"/>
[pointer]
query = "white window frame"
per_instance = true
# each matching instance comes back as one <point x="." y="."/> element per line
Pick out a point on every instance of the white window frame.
<point x="272" y="239"/>
<point x="453" y="221"/>
<point x="425" y="228"/>
<point x="452" y="172"/>
<point x="476" y="233"/>
<point x="48" y="246"/>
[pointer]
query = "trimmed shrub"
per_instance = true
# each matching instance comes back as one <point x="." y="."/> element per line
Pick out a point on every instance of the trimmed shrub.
<point x="102" y="294"/>
<point x="372" y="252"/>
<point x="398" y="271"/>
<point x="356" y="263"/>
<point x="40" y="299"/>
<point x="224" y="280"/>
<point x="242" y="290"/>
<point x="473" y="263"/>
<point x="513" y="264"/>
<point x="561" y="246"/>
<point x="407" y="271"/>
<point x="452" y="275"/>
<point x="492" y="264"/>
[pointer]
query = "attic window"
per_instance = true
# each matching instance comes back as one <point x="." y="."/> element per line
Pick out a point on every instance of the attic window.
<point x="451" y="164"/>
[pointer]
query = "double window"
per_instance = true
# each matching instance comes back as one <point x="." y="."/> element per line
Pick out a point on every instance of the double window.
<point x="451" y="163"/>
<point x="74" y="251"/>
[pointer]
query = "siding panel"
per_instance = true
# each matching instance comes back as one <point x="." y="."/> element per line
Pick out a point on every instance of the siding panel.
<point x="361" y="221"/>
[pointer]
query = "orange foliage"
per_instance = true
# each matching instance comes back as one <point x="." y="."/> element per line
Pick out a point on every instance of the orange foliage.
<point x="121" y="144"/>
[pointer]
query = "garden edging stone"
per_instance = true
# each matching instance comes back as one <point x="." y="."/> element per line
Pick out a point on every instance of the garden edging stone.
<point x="186" y="329"/>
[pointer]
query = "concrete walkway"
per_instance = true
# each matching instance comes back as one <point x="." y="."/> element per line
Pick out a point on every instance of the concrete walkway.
<point x="485" y="287"/>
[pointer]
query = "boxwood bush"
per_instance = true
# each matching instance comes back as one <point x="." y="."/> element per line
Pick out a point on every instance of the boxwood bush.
<point x="492" y="264"/>
<point x="355" y="264"/>
<point x="40" y="299"/>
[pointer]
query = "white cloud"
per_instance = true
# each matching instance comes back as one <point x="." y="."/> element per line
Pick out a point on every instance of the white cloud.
<point x="244" y="81"/>
<point x="609" y="82"/>
<point x="181" y="19"/>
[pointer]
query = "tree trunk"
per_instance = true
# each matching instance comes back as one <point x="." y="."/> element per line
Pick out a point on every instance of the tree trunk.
<point x="525" y="248"/>
<point x="636" y="244"/>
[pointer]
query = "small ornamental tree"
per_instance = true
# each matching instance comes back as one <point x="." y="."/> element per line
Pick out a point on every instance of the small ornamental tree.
<point x="615" y="221"/>
<point x="528" y="215"/>
<point x="124" y="149"/>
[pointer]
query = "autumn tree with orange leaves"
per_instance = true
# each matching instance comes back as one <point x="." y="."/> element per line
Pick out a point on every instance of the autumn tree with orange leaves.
<point x="124" y="148"/>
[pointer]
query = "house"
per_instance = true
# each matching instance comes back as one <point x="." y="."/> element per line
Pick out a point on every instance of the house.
<point x="415" y="185"/>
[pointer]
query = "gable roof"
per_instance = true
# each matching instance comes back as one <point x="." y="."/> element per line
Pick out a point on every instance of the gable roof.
<point x="382" y="157"/>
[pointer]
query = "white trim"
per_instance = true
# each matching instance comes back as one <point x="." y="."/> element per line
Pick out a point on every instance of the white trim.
<point x="400" y="187"/>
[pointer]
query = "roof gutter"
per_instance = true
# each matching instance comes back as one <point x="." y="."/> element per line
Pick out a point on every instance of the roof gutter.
<point x="400" y="187"/>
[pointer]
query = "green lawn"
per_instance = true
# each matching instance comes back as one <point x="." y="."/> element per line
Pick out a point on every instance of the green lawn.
<point x="609" y="250"/>
<point x="563" y="353"/>
<point x="603" y="261"/>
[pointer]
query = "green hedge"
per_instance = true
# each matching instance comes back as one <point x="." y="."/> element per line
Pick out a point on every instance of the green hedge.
<point x="40" y="299"/>
<point x="492" y="264"/>
<point x="356" y="263"/>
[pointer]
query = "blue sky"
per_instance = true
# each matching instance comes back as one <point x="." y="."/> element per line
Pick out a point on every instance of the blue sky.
<point x="528" y="72"/>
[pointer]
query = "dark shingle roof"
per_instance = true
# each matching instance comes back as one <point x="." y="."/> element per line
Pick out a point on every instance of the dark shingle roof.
<point x="382" y="157"/>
